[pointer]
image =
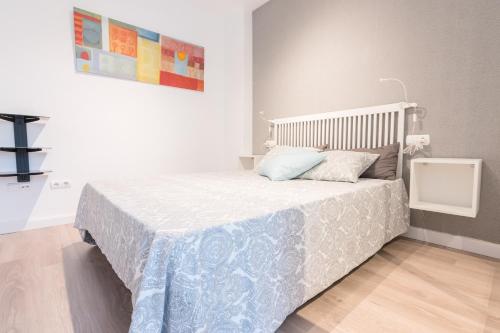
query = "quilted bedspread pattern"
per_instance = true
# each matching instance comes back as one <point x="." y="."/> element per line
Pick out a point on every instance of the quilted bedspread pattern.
<point x="235" y="252"/>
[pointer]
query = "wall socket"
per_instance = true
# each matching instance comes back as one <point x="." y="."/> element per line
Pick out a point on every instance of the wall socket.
<point x="11" y="187"/>
<point x="420" y="139"/>
<point x="60" y="184"/>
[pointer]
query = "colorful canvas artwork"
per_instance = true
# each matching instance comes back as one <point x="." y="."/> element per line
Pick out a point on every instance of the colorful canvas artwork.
<point x="108" y="47"/>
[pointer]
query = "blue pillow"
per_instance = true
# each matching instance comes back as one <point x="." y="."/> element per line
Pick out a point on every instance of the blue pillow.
<point x="289" y="166"/>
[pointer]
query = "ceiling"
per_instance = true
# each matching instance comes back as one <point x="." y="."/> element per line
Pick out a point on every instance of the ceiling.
<point x="254" y="4"/>
<point x="247" y="4"/>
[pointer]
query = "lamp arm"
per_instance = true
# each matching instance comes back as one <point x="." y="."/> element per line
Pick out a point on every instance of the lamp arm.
<point x="401" y="83"/>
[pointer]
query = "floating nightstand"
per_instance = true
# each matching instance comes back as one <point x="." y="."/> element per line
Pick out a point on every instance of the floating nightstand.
<point x="250" y="162"/>
<point x="21" y="149"/>
<point x="446" y="185"/>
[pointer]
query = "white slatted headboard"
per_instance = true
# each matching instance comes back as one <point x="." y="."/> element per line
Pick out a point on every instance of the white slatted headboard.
<point x="369" y="127"/>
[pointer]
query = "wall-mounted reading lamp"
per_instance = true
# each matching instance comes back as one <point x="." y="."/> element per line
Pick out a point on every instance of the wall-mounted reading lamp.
<point x="412" y="148"/>
<point x="405" y="93"/>
<point x="401" y="83"/>
<point x="270" y="143"/>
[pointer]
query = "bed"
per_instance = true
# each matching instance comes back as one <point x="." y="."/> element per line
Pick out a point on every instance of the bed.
<point x="235" y="252"/>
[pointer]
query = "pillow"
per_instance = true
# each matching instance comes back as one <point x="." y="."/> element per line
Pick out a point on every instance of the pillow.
<point x="322" y="147"/>
<point x="276" y="150"/>
<point x="386" y="165"/>
<point x="287" y="166"/>
<point x="341" y="166"/>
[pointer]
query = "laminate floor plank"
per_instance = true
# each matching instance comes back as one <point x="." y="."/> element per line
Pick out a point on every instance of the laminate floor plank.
<point x="50" y="282"/>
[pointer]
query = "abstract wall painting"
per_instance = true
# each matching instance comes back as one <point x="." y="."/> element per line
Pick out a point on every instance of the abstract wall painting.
<point x="112" y="48"/>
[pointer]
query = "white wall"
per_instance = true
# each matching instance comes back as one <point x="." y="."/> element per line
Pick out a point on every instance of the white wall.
<point x="105" y="128"/>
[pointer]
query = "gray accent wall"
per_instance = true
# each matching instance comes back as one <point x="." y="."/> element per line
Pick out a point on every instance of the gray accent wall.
<point x="312" y="56"/>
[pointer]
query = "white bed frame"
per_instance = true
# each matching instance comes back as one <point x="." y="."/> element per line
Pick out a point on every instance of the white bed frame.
<point x="368" y="127"/>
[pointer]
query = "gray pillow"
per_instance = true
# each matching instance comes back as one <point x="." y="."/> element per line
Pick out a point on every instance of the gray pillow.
<point x="386" y="165"/>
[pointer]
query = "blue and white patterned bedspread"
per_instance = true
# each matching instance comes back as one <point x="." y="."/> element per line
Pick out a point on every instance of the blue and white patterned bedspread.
<point x="234" y="252"/>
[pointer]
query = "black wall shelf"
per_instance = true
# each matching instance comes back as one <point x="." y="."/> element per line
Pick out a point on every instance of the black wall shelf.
<point x="29" y="149"/>
<point x="27" y="118"/>
<point x="31" y="173"/>
<point x="21" y="148"/>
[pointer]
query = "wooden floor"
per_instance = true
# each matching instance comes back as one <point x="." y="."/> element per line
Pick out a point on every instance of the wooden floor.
<point x="52" y="282"/>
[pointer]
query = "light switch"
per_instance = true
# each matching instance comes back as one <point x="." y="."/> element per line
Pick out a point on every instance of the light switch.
<point x="60" y="184"/>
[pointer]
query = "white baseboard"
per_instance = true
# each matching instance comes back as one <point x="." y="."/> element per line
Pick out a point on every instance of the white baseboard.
<point x="7" y="227"/>
<point x="455" y="241"/>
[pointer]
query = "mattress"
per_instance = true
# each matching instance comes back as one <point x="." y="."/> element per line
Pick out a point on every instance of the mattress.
<point x="234" y="252"/>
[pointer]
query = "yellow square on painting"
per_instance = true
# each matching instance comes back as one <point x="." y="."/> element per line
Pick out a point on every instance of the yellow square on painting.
<point x="148" y="61"/>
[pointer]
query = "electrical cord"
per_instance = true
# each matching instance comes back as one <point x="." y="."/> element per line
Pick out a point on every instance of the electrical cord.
<point x="411" y="149"/>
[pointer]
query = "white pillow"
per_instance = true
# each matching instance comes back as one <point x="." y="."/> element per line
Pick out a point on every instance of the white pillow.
<point x="341" y="166"/>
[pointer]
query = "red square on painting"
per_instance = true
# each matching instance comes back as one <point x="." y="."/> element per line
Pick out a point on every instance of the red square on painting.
<point x="182" y="64"/>
<point x="179" y="81"/>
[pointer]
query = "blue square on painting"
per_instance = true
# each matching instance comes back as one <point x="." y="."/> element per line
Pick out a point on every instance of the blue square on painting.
<point x="181" y="63"/>
<point x="152" y="36"/>
<point x="92" y="34"/>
